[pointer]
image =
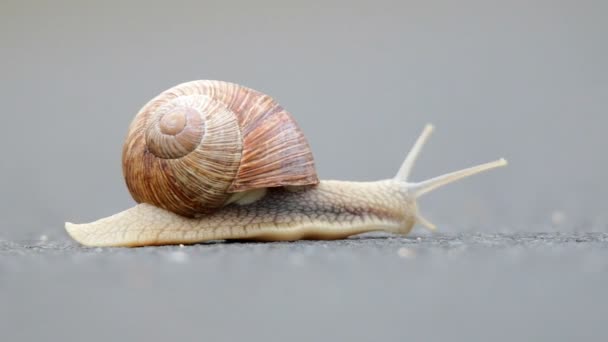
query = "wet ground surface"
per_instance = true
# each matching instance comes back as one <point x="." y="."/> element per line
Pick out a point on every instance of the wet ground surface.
<point x="498" y="287"/>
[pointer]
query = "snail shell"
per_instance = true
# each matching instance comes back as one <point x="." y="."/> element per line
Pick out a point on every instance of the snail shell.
<point x="193" y="146"/>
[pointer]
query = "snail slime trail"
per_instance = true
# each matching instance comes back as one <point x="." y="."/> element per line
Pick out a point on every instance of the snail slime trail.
<point x="212" y="160"/>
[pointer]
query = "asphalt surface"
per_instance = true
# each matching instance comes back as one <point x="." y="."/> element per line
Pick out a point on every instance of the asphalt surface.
<point x="498" y="287"/>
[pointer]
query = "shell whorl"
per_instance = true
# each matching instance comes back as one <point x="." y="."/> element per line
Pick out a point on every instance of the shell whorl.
<point x="195" y="144"/>
<point x="177" y="128"/>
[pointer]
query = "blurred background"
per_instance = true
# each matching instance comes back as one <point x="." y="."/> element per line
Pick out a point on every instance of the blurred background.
<point x="524" y="80"/>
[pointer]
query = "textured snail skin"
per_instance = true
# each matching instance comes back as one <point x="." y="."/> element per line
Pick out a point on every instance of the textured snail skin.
<point x="327" y="211"/>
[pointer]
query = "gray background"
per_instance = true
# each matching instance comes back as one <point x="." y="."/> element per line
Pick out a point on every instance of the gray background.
<point x="524" y="80"/>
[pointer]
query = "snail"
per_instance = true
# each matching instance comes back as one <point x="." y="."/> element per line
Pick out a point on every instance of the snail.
<point x="212" y="160"/>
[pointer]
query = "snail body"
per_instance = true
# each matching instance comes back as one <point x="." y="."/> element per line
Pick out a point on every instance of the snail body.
<point x="211" y="160"/>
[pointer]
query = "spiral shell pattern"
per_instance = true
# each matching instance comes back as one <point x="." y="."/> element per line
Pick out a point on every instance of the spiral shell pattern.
<point x="195" y="144"/>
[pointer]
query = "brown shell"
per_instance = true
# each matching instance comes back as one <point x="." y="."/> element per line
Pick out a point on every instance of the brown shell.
<point x="193" y="145"/>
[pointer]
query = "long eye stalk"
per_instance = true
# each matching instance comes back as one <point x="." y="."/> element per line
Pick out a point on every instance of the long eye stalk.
<point x="428" y="185"/>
